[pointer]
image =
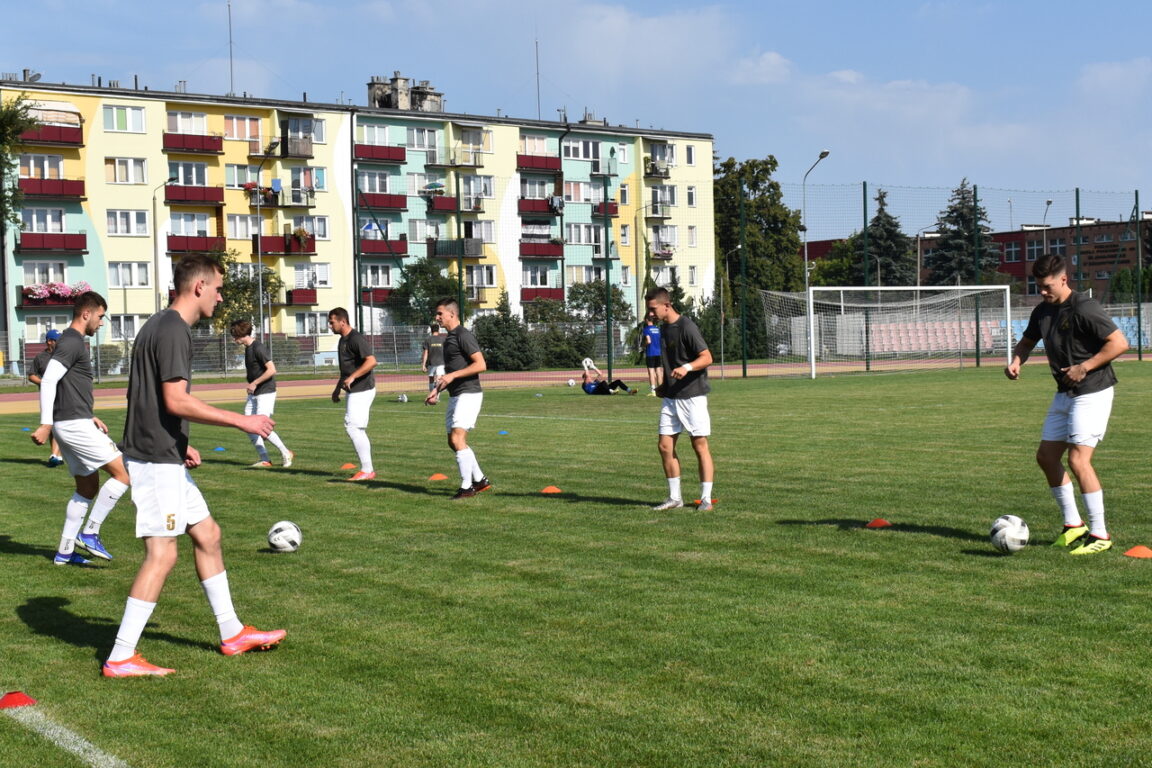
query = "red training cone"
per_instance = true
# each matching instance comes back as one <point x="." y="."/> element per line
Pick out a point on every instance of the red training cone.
<point x="878" y="523"/>
<point x="551" y="489"/>
<point x="349" y="465"/>
<point x="1139" y="551"/>
<point x="438" y="476"/>
<point x="16" y="699"/>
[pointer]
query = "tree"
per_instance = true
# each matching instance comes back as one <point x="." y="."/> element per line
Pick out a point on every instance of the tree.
<point x="890" y="257"/>
<point x="772" y="231"/>
<point x="504" y="339"/>
<point x="586" y="302"/>
<point x="843" y="264"/>
<point x="15" y="119"/>
<point x="240" y="290"/>
<point x="422" y="284"/>
<point x="963" y="253"/>
<point x="545" y="311"/>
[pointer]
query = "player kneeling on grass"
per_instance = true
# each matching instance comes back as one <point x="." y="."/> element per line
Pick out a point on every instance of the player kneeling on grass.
<point x="168" y="502"/>
<point x="685" y="357"/>
<point x="463" y="364"/>
<point x="261" y="374"/>
<point x="66" y="410"/>
<point x="1081" y="341"/>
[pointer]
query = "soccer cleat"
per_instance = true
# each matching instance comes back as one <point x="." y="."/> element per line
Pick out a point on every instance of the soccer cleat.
<point x="135" y="666"/>
<point x="55" y="461"/>
<point x="361" y="476"/>
<point x="705" y="505"/>
<point x="251" y="638"/>
<point x="465" y="493"/>
<point x="633" y="391"/>
<point x="288" y="459"/>
<point x="261" y="465"/>
<point x="1070" y="535"/>
<point x="70" y="559"/>
<point x="1095" y="544"/>
<point x="652" y="393"/>
<point x="481" y="485"/>
<point x="668" y="503"/>
<point x="92" y="543"/>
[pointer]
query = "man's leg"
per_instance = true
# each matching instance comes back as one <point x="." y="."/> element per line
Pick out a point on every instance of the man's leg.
<point x="704" y="459"/>
<point x="252" y="406"/>
<point x="671" y="463"/>
<point x="1080" y="461"/>
<point x="159" y="558"/>
<point x="357" y="406"/>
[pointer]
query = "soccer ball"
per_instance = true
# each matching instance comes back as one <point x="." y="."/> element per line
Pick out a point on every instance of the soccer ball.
<point x="1009" y="534"/>
<point x="587" y="363"/>
<point x="284" y="536"/>
<point x="571" y="382"/>
<point x="402" y="399"/>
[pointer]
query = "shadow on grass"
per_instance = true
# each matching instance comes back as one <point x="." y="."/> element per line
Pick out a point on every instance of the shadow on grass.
<point x="932" y="530"/>
<point x="40" y="462"/>
<point x="10" y="546"/>
<point x="48" y="616"/>
<point x="576" y="498"/>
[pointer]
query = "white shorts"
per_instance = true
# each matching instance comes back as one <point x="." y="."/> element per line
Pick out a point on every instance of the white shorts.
<point x="166" y="498"/>
<point x="685" y="415"/>
<point x="463" y="410"/>
<point x="1080" y="420"/>
<point x="262" y="405"/>
<point x="436" y="371"/>
<point x="358" y="407"/>
<point x="84" y="446"/>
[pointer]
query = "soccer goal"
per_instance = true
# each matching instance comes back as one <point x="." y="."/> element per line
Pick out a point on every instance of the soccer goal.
<point x="847" y="329"/>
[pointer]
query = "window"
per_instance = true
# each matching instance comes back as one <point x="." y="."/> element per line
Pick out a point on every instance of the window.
<point x="374" y="134"/>
<point x="478" y="186"/>
<point x="372" y="228"/>
<point x="622" y="153"/>
<point x="124" y="119"/>
<point x="534" y="189"/>
<point x="625" y="234"/>
<point x="421" y="138"/>
<point x="123" y="327"/>
<point x="475" y="141"/>
<point x="419" y="182"/>
<point x="189" y="174"/>
<point x="690" y="154"/>
<point x="534" y="276"/>
<point x="585" y="234"/>
<point x="663" y="195"/>
<point x="482" y="230"/>
<point x="423" y="229"/>
<point x="241" y="127"/>
<point x="1082" y="240"/>
<point x="1104" y="238"/>
<point x="1032" y="290"/>
<point x="305" y="128"/>
<point x="316" y="225"/>
<point x="35" y="326"/>
<point x="42" y="219"/>
<point x="623" y="194"/>
<point x="1103" y="274"/>
<point x="1057" y="246"/>
<point x="691" y="196"/>
<point x="691" y="236"/>
<point x="691" y="275"/>
<point x="580" y="192"/>
<point x="1011" y="252"/>
<point x="664" y="274"/>
<point x="376" y="276"/>
<point x="1127" y="235"/>
<point x="128" y="274"/>
<point x="480" y="275"/>
<point x="585" y="274"/>
<point x="581" y="149"/>
<point x="311" y="323"/>
<point x="663" y="237"/>
<point x="1034" y="248"/>
<point x="125" y="170"/>
<point x="625" y="275"/>
<point x="188" y="122"/>
<point x="247" y="271"/>
<point x="664" y="154"/>
<point x="130" y="223"/>
<point x="309" y="178"/>
<point x="312" y="275"/>
<point x="242" y="227"/>
<point x="190" y="224"/>
<point x="534" y="145"/>
<point x="41" y="166"/>
<point x="44" y="272"/>
<point x="319" y="131"/>
<point x="372" y="181"/>
<point x="535" y="231"/>
<point x="236" y="176"/>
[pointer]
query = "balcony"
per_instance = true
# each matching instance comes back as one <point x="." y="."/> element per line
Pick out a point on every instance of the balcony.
<point x="538" y="163"/>
<point x="658" y="211"/>
<point x="194" y="143"/>
<point x="663" y="251"/>
<point x="196" y="244"/>
<point x="383" y="201"/>
<point x="301" y="296"/>
<point x="539" y="250"/>
<point x="377" y="154"/>
<point x="472" y="205"/>
<point x="383" y="247"/>
<point x="56" y="189"/>
<point x="175" y="194"/>
<point x="256" y="149"/>
<point x="281" y="245"/>
<point x="656" y="169"/>
<point x="296" y="146"/>
<point x="531" y="294"/>
<point x="54" y="136"/>
<point x="468" y="247"/>
<point x="442" y="204"/>
<point x="549" y="206"/>
<point x="27" y="302"/>
<point x="460" y="157"/>
<point x="481" y="294"/>
<point x="606" y="209"/>
<point x="52" y="243"/>
<point x="375" y="295"/>
<point x="293" y="197"/>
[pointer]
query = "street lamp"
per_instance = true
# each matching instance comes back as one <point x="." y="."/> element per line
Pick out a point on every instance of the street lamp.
<point x="155" y="245"/>
<point x="1044" y="224"/>
<point x="807" y="289"/>
<point x="723" y="319"/>
<point x="268" y="150"/>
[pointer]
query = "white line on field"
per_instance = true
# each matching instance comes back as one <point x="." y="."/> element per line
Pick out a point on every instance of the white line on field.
<point x="65" y="739"/>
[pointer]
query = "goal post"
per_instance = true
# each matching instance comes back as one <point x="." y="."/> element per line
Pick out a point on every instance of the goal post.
<point x="842" y="329"/>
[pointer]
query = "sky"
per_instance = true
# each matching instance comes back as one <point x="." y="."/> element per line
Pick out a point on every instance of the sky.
<point x="1042" y="97"/>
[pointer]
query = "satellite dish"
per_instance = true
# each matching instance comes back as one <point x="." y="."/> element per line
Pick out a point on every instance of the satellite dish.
<point x="34" y="77"/>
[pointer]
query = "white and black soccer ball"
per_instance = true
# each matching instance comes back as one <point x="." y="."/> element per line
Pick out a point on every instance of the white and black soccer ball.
<point x="587" y="363"/>
<point x="403" y="398"/>
<point x="284" y="536"/>
<point x="571" y="382"/>
<point x="1009" y="534"/>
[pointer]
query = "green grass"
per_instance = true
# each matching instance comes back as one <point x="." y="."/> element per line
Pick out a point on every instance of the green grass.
<point x="517" y="629"/>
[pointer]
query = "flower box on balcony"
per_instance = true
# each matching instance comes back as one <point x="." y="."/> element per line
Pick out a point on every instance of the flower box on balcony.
<point x="301" y="296"/>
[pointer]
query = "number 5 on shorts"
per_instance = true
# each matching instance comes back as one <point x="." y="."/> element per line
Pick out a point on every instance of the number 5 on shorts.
<point x="170" y="522"/>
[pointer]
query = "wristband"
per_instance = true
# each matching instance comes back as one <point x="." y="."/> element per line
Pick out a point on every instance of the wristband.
<point x="687" y="367"/>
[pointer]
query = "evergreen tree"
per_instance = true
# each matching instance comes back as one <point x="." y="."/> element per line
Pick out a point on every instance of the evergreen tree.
<point x="963" y="253"/>
<point x="842" y="266"/>
<point x="772" y="233"/>
<point x="504" y="339"/>
<point x="891" y="260"/>
<point x="422" y="283"/>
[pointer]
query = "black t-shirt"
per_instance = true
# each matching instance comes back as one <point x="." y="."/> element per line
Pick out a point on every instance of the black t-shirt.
<point x="74" y="391"/>
<point x="163" y="352"/>
<point x="1072" y="332"/>
<point x="434" y="345"/>
<point x="255" y="362"/>
<point x="459" y="346"/>
<point x="681" y="342"/>
<point x="40" y="362"/>
<point x="351" y="352"/>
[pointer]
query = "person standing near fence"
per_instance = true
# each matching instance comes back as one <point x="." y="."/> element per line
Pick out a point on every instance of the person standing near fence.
<point x="650" y="346"/>
<point x="1080" y="341"/>
<point x="261" y="374"/>
<point x="432" y="360"/>
<point x="36" y="375"/>
<point x="354" y="354"/>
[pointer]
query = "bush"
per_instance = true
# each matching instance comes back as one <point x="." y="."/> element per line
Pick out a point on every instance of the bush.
<point x="564" y="346"/>
<point x="505" y="340"/>
<point x="108" y="358"/>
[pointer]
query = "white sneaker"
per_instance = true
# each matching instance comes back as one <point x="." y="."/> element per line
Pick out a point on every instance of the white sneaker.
<point x="668" y="503"/>
<point x="288" y="458"/>
<point x="704" y="506"/>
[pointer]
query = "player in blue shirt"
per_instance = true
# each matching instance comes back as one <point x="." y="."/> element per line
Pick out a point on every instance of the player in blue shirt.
<point x="650" y="346"/>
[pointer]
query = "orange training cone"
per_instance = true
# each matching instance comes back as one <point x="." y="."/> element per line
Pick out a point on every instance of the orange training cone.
<point x="438" y="476"/>
<point x="714" y="501"/>
<point x="16" y="699"/>
<point x="349" y="465"/>
<point x="1139" y="551"/>
<point x="551" y="489"/>
<point x="878" y="523"/>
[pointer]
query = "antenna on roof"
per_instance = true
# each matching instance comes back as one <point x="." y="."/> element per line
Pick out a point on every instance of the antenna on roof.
<point x="231" y="75"/>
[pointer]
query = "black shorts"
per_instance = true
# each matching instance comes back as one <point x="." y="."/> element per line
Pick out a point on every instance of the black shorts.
<point x="652" y="361"/>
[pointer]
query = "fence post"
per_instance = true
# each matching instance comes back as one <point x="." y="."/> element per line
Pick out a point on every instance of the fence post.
<point x="1139" y="282"/>
<point x="977" y="255"/>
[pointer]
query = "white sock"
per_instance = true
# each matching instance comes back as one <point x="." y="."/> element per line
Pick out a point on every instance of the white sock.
<point x="465" y="460"/>
<point x="136" y="615"/>
<point x="276" y="441"/>
<point x="363" y="448"/>
<point x="220" y="598"/>
<point x="1065" y="496"/>
<point x="1094" y="503"/>
<point x="673" y="487"/>
<point x="705" y="491"/>
<point x="477" y="475"/>
<point x="258" y="443"/>
<point x="73" y="519"/>
<point x="110" y="493"/>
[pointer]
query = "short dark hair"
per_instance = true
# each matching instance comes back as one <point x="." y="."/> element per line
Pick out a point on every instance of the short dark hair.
<point x="193" y="267"/>
<point x="241" y="328"/>
<point x="1048" y="265"/>
<point x="434" y="327"/>
<point x="660" y="295"/>
<point x="89" y="300"/>
<point x="448" y="302"/>
<point x="339" y="313"/>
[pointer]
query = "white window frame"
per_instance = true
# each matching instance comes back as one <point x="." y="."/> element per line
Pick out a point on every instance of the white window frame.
<point x="129" y="274"/>
<point x="418" y="182"/>
<point x="375" y="275"/>
<point x="43" y="271"/>
<point x="690" y="154"/>
<point x="691" y="235"/>
<point x="625" y="234"/>
<point x="690" y="196"/>
<point x="625" y="275"/>
<point x="420" y="230"/>
<point x="622" y="154"/>
<point x="624" y="194"/>
<point x="532" y="188"/>
<point x="534" y="275"/>
<point x="247" y="271"/>
<point x="188" y="174"/>
<point x="116" y="325"/>
<point x="247" y="121"/>
<point x="127" y="223"/>
<point x="35" y="326"/>
<point x="486" y="272"/>
<point x="194" y="123"/>
<point x="237" y="175"/>
<point x="133" y="119"/>
<point x="484" y="230"/>
<point x="242" y="226"/>
<point x="664" y="153"/>
<point x="36" y="166"/>
<point x="1012" y="252"/>
<point x="692" y="274"/>
<point x="373" y="181"/>
<point x="534" y="144"/>
<point x="580" y="149"/>
<point x="43" y="220"/>
<point x="1034" y="249"/>
<point x="316" y="225"/>
<point x="1057" y="246"/>
<point x="188" y="224"/>
<point x="127" y="170"/>
<point x="420" y="138"/>
<point x="313" y="274"/>
<point x="318" y="175"/>
<point x="311" y="323"/>
<point x="374" y="134"/>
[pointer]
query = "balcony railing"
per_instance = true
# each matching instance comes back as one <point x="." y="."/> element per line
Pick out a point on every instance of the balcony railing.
<point x="196" y="244"/>
<point x="26" y="302"/>
<point x="296" y="146"/>
<point x="63" y="189"/>
<point x="481" y="294"/>
<point x="458" y="157"/>
<point x="472" y="204"/>
<point x="191" y="195"/>
<point x="285" y="244"/>
<point x="656" y="169"/>
<point x="203" y="144"/>
<point x="375" y="295"/>
<point x="531" y="294"/>
<point x="384" y="247"/>
<point x="301" y="296"/>
<point x="541" y="250"/>
<point x="380" y="154"/>
<point x="549" y="206"/>
<point x="538" y="163"/>
<point x="292" y="197"/>
<point x="658" y="211"/>
<point x="469" y="247"/>
<point x="610" y="209"/>
<point x="52" y="242"/>
<point x="55" y="135"/>
<point x="442" y="204"/>
<point x="383" y="200"/>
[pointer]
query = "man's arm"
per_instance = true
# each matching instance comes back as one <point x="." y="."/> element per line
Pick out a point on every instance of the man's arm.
<point x="269" y="372"/>
<point x="52" y="376"/>
<point x="702" y="361"/>
<point x="1020" y="355"/>
<point x="476" y="365"/>
<point x="181" y="404"/>
<point x="1115" y="345"/>
<point x="366" y="366"/>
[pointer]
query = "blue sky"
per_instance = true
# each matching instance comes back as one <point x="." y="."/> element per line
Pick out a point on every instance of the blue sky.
<point x="1017" y="95"/>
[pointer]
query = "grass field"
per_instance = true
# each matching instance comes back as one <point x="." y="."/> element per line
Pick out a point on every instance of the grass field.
<point x="517" y="629"/>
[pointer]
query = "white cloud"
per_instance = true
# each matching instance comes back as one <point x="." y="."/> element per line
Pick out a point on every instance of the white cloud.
<point x="769" y="68"/>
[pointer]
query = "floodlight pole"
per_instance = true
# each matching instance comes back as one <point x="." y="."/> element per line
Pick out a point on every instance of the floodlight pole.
<point x="268" y="150"/>
<point x="1044" y="225"/>
<point x="807" y="286"/>
<point x="155" y="248"/>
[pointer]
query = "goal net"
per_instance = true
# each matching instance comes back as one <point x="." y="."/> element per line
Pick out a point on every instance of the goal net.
<point x="850" y="329"/>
